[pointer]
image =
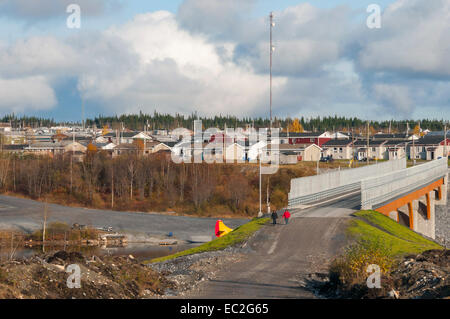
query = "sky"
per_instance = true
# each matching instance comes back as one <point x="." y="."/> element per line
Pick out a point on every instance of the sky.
<point x="212" y="57"/>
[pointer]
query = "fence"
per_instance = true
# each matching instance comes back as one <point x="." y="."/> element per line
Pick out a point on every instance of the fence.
<point x="381" y="189"/>
<point x="309" y="189"/>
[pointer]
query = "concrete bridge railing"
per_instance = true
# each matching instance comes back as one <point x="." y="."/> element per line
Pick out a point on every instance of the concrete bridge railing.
<point x="310" y="189"/>
<point x="380" y="189"/>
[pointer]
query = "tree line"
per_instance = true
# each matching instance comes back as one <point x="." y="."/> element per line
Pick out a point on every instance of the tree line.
<point x="157" y="120"/>
<point x="150" y="183"/>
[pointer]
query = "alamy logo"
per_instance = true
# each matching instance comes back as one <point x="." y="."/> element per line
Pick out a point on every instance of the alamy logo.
<point x="74" y="279"/>
<point x="374" y="19"/>
<point x="374" y="279"/>
<point x="74" y="19"/>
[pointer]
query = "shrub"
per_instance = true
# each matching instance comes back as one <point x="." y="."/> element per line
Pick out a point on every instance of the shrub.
<point x="350" y="268"/>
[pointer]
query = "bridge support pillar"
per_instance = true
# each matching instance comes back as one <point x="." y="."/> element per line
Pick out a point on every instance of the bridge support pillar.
<point x="394" y="215"/>
<point x="411" y="215"/>
<point x="403" y="215"/>
<point x="441" y="192"/>
<point x="424" y="216"/>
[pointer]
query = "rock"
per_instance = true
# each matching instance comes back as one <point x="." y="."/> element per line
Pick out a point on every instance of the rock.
<point x="393" y="294"/>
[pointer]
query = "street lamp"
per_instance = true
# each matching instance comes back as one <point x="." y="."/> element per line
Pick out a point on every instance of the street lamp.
<point x="260" y="185"/>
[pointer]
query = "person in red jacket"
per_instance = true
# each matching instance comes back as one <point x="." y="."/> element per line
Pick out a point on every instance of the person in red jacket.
<point x="286" y="216"/>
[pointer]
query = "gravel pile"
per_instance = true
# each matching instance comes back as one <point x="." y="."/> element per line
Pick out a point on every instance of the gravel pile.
<point x="423" y="276"/>
<point x="187" y="272"/>
<point x="45" y="277"/>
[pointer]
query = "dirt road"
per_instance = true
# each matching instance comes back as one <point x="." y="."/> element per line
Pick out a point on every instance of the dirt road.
<point x="282" y="256"/>
<point x="27" y="215"/>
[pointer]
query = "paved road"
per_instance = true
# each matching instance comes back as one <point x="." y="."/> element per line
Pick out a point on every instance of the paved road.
<point x="283" y="255"/>
<point x="27" y="215"/>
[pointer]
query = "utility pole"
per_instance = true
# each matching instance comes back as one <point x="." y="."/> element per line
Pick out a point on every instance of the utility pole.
<point x="445" y="141"/>
<point x="414" y="146"/>
<point x="260" y="185"/>
<point x="71" y="163"/>
<point x="112" y="184"/>
<point x="82" y="113"/>
<point x="272" y="48"/>
<point x="353" y="146"/>
<point x="367" y="142"/>
<point x="268" y="202"/>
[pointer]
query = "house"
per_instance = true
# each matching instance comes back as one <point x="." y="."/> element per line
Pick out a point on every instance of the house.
<point x="338" y="149"/>
<point x="310" y="152"/>
<point x="125" y="148"/>
<point x="13" y="137"/>
<point x="155" y="146"/>
<point x="5" y="127"/>
<point x="127" y="137"/>
<point x="74" y="147"/>
<point x="317" y="138"/>
<point x="59" y="137"/>
<point x="395" y="149"/>
<point x="235" y="152"/>
<point x="45" y="148"/>
<point x="390" y="136"/>
<point x="429" y="147"/>
<point x="375" y="151"/>
<point x="304" y="152"/>
<point x="101" y="139"/>
<point x="288" y="158"/>
<point x="14" y="148"/>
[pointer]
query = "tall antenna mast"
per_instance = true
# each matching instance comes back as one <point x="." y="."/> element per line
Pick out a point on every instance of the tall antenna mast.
<point x="82" y="112"/>
<point x="272" y="48"/>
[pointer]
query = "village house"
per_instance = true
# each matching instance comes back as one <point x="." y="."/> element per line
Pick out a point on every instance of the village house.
<point x="45" y="148"/>
<point x="375" y="151"/>
<point x="395" y="149"/>
<point x="303" y="152"/>
<point x="127" y="137"/>
<point x="125" y="148"/>
<point x="5" y="127"/>
<point x="429" y="147"/>
<point x="13" y="148"/>
<point x="317" y="138"/>
<point x="338" y="149"/>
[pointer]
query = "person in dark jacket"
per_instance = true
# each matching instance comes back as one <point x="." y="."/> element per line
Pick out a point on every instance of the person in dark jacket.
<point x="274" y="217"/>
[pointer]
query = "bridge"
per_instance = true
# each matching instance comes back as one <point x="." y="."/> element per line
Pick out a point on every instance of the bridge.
<point x="407" y="195"/>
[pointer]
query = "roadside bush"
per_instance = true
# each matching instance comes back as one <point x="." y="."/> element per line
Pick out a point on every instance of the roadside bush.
<point x="350" y="268"/>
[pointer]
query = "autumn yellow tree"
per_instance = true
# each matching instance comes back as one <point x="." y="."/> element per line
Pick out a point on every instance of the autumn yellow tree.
<point x="295" y="126"/>
<point x="91" y="148"/>
<point x="417" y="131"/>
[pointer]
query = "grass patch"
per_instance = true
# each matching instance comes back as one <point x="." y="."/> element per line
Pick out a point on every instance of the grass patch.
<point x="374" y="226"/>
<point x="380" y="241"/>
<point x="237" y="236"/>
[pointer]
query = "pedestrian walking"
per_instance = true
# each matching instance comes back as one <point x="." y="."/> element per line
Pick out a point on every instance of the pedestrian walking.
<point x="274" y="217"/>
<point x="286" y="216"/>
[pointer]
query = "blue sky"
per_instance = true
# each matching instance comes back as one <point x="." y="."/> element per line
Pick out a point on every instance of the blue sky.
<point x="210" y="56"/>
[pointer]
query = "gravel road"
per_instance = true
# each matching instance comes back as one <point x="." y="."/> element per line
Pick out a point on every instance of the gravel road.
<point x="281" y="257"/>
<point x="27" y="215"/>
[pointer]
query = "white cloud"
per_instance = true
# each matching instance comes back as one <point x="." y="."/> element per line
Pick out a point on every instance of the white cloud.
<point x="35" y="10"/>
<point x="323" y="64"/>
<point x="174" y="69"/>
<point x="414" y="39"/>
<point x="394" y="98"/>
<point x="29" y="93"/>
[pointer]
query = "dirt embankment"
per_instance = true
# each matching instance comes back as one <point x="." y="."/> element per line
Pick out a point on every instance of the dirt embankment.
<point x="422" y="276"/>
<point x="110" y="277"/>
